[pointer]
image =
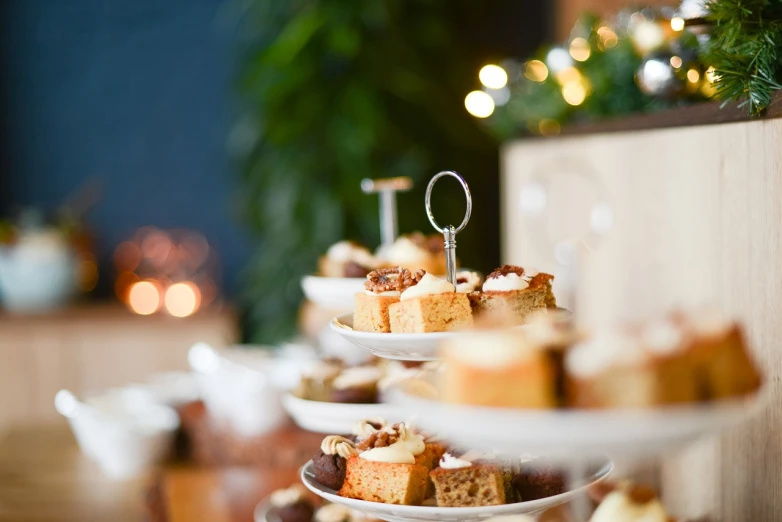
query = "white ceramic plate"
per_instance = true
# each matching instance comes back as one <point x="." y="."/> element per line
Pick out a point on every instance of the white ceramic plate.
<point x="262" y="510"/>
<point x="335" y="293"/>
<point x="396" y="513"/>
<point x="403" y="347"/>
<point x="576" y="433"/>
<point x="334" y="417"/>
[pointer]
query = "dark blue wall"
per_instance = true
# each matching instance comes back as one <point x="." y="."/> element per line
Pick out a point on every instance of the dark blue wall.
<point x="136" y="94"/>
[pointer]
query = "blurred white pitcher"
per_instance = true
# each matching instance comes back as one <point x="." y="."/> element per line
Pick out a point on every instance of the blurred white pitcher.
<point x="243" y="397"/>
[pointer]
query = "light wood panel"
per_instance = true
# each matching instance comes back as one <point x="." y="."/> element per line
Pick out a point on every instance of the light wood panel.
<point x="93" y="347"/>
<point x="697" y="220"/>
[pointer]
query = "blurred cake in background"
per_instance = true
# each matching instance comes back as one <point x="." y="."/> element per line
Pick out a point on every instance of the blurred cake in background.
<point x="415" y="252"/>
<point x="347" y="259"/>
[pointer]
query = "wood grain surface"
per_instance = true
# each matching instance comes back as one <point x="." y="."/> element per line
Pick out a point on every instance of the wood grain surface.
<point x="697" y="220"/>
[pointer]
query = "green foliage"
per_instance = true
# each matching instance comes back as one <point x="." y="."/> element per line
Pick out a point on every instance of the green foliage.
<point x="744" y="49"/>
<point x="608" y="75"/>
<point x="336" y="91"/>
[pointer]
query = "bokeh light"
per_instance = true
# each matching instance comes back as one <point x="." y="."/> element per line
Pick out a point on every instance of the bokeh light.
<point x="677" y="23"/>
<point x="548" y="127"/>
<point x="182" y="299"/>
<point x="574" y="93"/>
<point x="579" y="49"/>
<point x="607" y="37"/>
<point x="676" y="62"/>
<point x="479" y="104"/>
<point x="144" y="298"/>
<point x="693" y="76"/>
<point x="493" y="76"/>
<point x="536" y="71"/>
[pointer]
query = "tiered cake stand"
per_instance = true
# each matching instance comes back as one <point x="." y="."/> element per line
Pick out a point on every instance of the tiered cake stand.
<point x="581" y="438"/>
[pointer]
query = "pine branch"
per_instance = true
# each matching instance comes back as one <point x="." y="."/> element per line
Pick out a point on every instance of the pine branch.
<point x="744" y="51"/>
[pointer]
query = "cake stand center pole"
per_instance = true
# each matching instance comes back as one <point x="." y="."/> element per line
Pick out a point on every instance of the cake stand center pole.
<point x="449" y="234"/>
<point x="388" y="220"/>
<point x="386" y="190"/>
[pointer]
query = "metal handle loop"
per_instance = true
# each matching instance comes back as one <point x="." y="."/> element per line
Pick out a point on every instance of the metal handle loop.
<point x="467" y="194"/>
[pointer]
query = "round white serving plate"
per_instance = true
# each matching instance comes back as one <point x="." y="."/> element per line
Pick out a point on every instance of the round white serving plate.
<point x="336" y="293"/>
<point x="402" y="347"/>
<point x="262" y="510"/>
<point x="574" y="434"/>
<point x="397" y="513"/>
<point x="335" y="417"/>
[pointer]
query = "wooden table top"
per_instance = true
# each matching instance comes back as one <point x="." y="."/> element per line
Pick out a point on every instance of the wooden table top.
<point x="44" y="477"/>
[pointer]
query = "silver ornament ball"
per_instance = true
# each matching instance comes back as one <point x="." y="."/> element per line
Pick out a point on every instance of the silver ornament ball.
<point x="656" y="77"/>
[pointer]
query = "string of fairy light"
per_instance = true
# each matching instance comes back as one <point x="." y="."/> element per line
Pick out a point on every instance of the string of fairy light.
<point x="565" y="65"/>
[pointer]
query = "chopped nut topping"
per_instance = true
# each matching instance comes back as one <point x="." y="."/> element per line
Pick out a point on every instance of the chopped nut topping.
<point x="392" y="279"/>
<point x="379" y="439"/>
<point x="540" y="280"/>
<point x="505" y="270"/>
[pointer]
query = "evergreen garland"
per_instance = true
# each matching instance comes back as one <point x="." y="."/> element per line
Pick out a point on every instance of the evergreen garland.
<point x="744" y="50"/>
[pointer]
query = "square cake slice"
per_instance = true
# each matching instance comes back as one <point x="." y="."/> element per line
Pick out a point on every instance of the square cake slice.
<point x="371" y="314"/>
<point x="471" y="486"/>
<point x="431" y="313"/>
<point x="385" y="482"/>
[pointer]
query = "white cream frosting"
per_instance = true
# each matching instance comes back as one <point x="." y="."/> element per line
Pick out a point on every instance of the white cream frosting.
<point x="337" y="445"/>
<point x="403" y="451"/>
<point x="288" y="496"/>
<point x="346" y="251"/>
<point x="357" y="376"/>
<point x="505" y="283"/>
<point x="323" y="371"/>
<point x="405" y="252"/>
<point x="392" y="454"/>
<point x="618" y="506"/>
<point x="662" y="337"/>
<point x="428" y="285"/>
<point x="472" y="283"/>
<point x="333" y="513"/>
<point x="450" y="462"/>
<point x="364" y="428"/>
<point x="607" y="348"/>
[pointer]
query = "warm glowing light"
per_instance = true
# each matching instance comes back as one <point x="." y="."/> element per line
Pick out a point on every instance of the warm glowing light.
<point x="579" y="49"/>
<point x="569" y="75"/>
<point x="711" y="74"/>
<point x="677" y="23"/>
<point x="693" y="76"/>
<point x="647" y="37"/>
<point x="676" y="62"/>
<point x="548" y="127"/>
<point x="608" y="38"/>
<point x="144" y="298"/>
<point x="574" y="93"/>
<point x="493" y="76"/>
<point x="182" y="299"/>
<point x="479" y="104"/>
<point x="536" y="71"/>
